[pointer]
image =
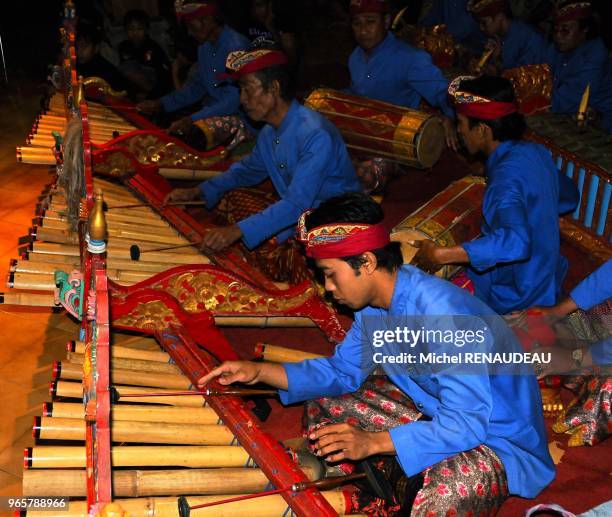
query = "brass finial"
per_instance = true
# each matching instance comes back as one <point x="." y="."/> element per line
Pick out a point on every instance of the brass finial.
<point x="584" y="104"/>
<point x="96" y="225"/>
<point x="79" y="96"/>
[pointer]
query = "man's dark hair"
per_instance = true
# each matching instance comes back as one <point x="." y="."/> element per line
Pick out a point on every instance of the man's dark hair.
<point x="356" y="207"/>
<point x="136" y="16"/>
<point x="510" y="127"/>
<point x="281" y="74"/>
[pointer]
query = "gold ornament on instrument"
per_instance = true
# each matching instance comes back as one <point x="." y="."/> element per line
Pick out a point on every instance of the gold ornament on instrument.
<point x="96" y="226"/>
<point x="584" y="104"/>
<point x="102" y="86"/>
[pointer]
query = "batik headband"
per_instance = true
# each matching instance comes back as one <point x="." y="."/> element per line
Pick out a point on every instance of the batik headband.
<point x="242" y="62"/>
<point x="474" y="106"/>
<point x="575" y="11"/>
<point x="341" y="239"/>
<point x="191" y="10"/>
<point x="368" y="6"/>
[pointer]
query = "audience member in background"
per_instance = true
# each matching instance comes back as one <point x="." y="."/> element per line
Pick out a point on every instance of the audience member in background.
<point x="273" y="25"/>
<point x="89" y="61"/>
<point x="514" y="43"/>
<point x="143" y="62"/>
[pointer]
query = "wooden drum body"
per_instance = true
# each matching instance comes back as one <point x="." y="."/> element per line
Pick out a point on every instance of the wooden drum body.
<point x="374" y="128"/>
<point x="451" y="217"/>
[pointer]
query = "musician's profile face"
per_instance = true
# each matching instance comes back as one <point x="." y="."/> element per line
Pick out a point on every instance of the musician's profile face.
<point x="201" y="29"/>
<point x="347" y="286"/>
<point x="136" y="33"/>
<point x="370" y="29"/>
<point x="471" y="137"/>
<point x="569" y="35"/>
<point x="255" y="99"/>
<point x="261" y="10"/>
<point x="490" y="25"/>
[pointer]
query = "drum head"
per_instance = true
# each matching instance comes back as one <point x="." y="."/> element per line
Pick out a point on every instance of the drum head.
<point x="430" y="142"/>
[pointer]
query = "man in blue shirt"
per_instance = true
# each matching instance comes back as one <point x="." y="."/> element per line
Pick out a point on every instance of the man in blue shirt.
<point x="300" y="151"/>
<point x="578" y="57"/>
<point x="216" y="40"/>
<point x="481" y="436"/>
<point x="387" y="69"/>
<point x="514" y="42"/>
<point x="516" y="264"/>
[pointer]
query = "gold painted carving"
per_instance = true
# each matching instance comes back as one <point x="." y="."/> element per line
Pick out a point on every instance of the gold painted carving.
<point x="102" y="86"/>
<point x="204" y="291"/>
<point x="581" y="238"/>
<point x="530" y="81"/>
<point x="150" y="315"/>
<point x="115" y="165"/>
<point x="151" y="149"/>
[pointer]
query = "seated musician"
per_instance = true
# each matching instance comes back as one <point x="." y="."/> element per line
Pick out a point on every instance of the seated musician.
<point x="514" y="43"/>
<point x="206" y="25"/>
<point x="300" y="151"/>
<point x="481" y="436"/>
<point x="516" y="264"/>
<point x="387" y="69"/>
<point x="577" y="58"/>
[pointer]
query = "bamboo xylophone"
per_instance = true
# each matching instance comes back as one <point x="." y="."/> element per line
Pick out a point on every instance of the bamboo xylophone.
<point x="161" y="448"/>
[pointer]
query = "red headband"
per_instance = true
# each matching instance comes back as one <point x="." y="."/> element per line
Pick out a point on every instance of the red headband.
<point x="242" y="62"/>
<point x="484" y="8"/>
<point x="486" y="110"/>
<point x="577" y="11"/>
<point x="368" y="6"/>
<point x="190" y="11"/>
<point x="344" y="240"/>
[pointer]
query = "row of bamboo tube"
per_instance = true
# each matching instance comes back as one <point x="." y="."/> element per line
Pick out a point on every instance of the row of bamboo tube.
<point x="104" y="125"/>
<point x="57" y="247"/>
<point x="188" y="450"/>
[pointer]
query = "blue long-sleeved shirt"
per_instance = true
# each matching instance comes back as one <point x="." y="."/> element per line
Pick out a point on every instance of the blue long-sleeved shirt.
<point x="458" y="20"/>
<point x="306" y="160"/>
<point x="602" y="99"/>
<point x="220" y="98"/>
<point x="573" y="71"/>
<point x="398" y="73"/>
<point x="501" y="411"/>
<point x="516" y="264"/>
<point x="593" y="290"/>
<point x="522" y="45"/>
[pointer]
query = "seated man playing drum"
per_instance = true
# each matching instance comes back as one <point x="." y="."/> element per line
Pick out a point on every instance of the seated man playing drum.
<point x="219" y="118"/>
<point x="516" y="264"/>
<point x="385" y="68"/>
<point x="300" y="151"/>
<point x="453" y="441"/>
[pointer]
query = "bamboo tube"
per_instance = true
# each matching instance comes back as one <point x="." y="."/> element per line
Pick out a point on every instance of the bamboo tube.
<point x="139" y="413"/>
<point x="193" y="456"/>
<point x="115" y="267"/>
<point x="116" y="251"/>
<point x="54" y="224"/>
<point x="66" y="260"/>
<point x="127" y="237"/>
<point x="270" y="506"/>
<point x="37" y="160"/>
<point x="51" y="428"/>
<point x="74" y="390"/>
<point x="264" y="321"/>
<point x="28" y="299"/>
<point x="153" y="220"/>
<point x="279" y="354"/>
<point x="138" y="342"/>
<point x="131" y="364"/>
<point x="70" y="371"/>
<point x="33" y="150"/>
<point x="188" y="174"/>
<point x="143" y="483"/>
<point x="125" y="352"/>
<point x="33" y="281"/>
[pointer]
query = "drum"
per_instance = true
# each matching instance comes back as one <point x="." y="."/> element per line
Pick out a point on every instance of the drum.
<point x="374" y="128"/>
<point x="451" y="217"/>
